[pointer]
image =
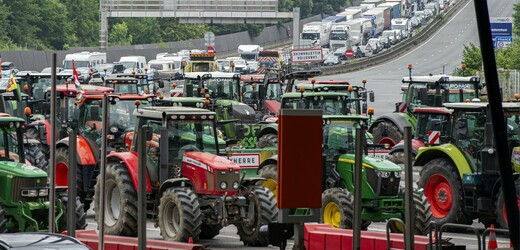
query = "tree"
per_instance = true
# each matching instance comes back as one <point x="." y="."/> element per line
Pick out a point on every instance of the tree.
<point x="118" y="36"/>
<point x="5" y="41"/>
<point x="171" y="30"/>
<point x="83" y="16"/>
<point x="54" y="29"/>
<point x="472" y="57"/>
<point x="24" y="23"/>
<point x="143" y="30"/>
<point x="516" y="19"/>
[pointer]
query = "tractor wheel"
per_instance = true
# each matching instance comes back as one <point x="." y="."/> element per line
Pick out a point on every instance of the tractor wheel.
<point x="267" y="140"/>
<point x="397" y="157"/>
<point x="443" y="188"/>
<point x="500" y="207"/>
<point x="81" y="216"/>
<point x="32" y="133"/>
<point x="209" y="231"/>
<point x="337" y="206"/>
<point x="179" y="215"/>
<point x="387" y="132"/>
<point x="3" y="220"/>
<point x="62" y="175"/>
<point x="121" y="201"/>
<point x="422" y="216"/>
<point x="35" y="155"/>
<point x="269" y="171"/>
<point x="265" y="212"/>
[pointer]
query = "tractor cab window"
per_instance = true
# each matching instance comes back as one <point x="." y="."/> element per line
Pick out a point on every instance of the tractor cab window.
<point x="9" y="144"/>
<point x="192" y="135"/>
<point x="224" y="88"/>
<point x="338" y="138"/>
<point x="452" y="92"/>
<point x="513" y="128"/>
<point x="14" y="107"/>
<point x="431" y="122"/>
<point x="417" y="95"/>
<point x="274" y="92"/>
<point x="39" y="88"/>
<point x="468" y="132"/>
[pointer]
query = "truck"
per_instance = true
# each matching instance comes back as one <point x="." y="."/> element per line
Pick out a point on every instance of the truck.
<point x="377" y="17"/>
<point x="360" y="30"/>
<point x="84" y="59"/>
<point x="315" y="34"/>
<point x="201" y="62"/>
<point x="371" y="3"/>
<point x="249" y="52"/>
<point x="403" y="24"/>
<point x="350" y="14"/>
<point x="133" y="62"/>
<point x="334" y="19"/>
<point x="395" y="8"/>
<point x="387" y="16"/>
<point x="340" y="36"/>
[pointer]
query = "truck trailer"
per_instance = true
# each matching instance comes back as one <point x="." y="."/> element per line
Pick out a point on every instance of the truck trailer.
<point x="350" y="13"/>
<point x="387" y="16"/>
<point x="376" y="16"/>
<point x="395" y="8"/>
<point x="315" y="34"/>
<point x="340" y="36"/>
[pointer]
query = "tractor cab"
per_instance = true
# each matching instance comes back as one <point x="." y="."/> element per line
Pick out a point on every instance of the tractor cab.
<point x="11" y="133"/>
<point x="219" y="85"/>
<point x="330" y="103"/>
<point x="129" y="84"/>
<point x="11" y="105"/>
<point x="431" y="120"/>
<point x="262" y="93"/>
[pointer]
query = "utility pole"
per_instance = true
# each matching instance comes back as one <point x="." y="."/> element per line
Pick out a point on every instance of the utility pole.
<point x="103" y="22"/>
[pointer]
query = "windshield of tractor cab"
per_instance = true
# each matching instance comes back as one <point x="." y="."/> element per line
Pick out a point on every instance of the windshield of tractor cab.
<point x="9" y="143"/>
<point x="452" y="92"/>
<point x="468" y="132"/>
<point x="338" y="138"/>
<point x="40" y="87"/>
<point x="425" y="124"/>
<point x="223" y="88"/>
<point x="330" y="106"/>
<point x="14" y="107"/>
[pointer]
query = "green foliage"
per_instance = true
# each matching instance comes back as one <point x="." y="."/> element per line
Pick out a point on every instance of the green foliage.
<point x="55" y="31"/>
<point x="119" y="36"/>
<point x="516" y="19"/>
<point x="472" y="57"/>
<point x="83" y="16"/>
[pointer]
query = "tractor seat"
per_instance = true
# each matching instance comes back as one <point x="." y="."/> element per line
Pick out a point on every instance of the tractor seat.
<point x="94" y="125"/>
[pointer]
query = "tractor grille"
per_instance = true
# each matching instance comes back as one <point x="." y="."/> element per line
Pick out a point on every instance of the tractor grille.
<point x="383" y="186"/>
<point x="229" y="177"/>
<point x="20" y="183"/>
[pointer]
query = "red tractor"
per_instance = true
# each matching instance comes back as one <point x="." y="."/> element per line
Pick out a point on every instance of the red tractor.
<point x="87" y="121"/>
<point x="191" y="190"/>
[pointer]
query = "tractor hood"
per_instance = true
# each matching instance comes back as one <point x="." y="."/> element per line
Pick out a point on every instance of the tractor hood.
<point x="209" y="162"/>
<point x="20" y="170"/>
<point x="240" y="111"/>
<point x="273" y="106"/>
<point x="372" y="162"/>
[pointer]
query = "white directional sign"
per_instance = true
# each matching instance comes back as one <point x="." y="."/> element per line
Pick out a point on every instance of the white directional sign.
<point x="306" y="55"/>
<point x="210" y="39"/>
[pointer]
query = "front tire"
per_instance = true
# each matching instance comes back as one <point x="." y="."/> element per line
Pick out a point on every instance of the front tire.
<point x="3" y="220"/>
<point x="500" y="208"/>
<point x="337" y="209"/>
<point x="269" y="171"/>
<point x="443" y="189"/>
<point x="386" y="132"/>
<point x="265" y="213"/>
<point x="422" y="216"/>
<point x="81" y="216"/>
<point x="121" y="201"/>
<point x="179" y="215"/>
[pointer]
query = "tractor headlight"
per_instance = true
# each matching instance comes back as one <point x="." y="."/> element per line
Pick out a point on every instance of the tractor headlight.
<point x="383" y="174"/>
<point x="113" y="130"/>
<point x="223" y="185"/>
<point x="236" y="185"/>
<point x="43" y="192"/>
<point x="30" y="193"/>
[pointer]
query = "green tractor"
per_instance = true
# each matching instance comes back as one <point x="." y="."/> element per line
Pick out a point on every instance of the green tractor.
<point x="460" y="178"/>
<point x="24" y="195"/>
<point x="422" y="91"/>
<point x="381" y="196"/>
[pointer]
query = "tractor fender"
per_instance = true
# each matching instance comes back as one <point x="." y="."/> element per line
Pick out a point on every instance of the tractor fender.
<point x="448" y="151"/>
<point x="399" y="147"/>
<point x="398" y="119"/>
<point x="175" y="182"/>
<point x="130" y="160"/>
<point x="252" y="181"/>
<point x="271" y="160"/>
<point x="85" y="154"/>
<point x="271" y="128"/>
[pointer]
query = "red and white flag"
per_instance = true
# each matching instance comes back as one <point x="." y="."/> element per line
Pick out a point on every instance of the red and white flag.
<point x="80" y="98"/>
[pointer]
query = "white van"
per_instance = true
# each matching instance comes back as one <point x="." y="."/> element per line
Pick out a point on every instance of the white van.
<point x="133" y="62"/>
<point x="167" y="69"/>
<point x="84" y="59"/>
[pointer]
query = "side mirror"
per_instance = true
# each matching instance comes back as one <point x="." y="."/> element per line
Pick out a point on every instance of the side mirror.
<point x="462" y="126"/>
<point x="148" y="133"/>
<point x="371" y="96"/>
<point x="161" y="84"/>
<point x="423" y="95"/>
<point x="189" y="90"/>
<point x="261" y="92"/>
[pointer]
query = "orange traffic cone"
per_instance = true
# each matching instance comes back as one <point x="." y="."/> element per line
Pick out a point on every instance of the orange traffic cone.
<point x="492" y="244"/>
<point x="190" y="240"/>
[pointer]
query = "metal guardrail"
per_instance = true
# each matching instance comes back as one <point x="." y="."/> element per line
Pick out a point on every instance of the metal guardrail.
<point x="399" y="49"/>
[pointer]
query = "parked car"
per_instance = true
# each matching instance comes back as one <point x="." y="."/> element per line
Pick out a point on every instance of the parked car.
<point x="383" y="40"/>
<point x="376" y="46"/>
<point x="49" y="69"/>
<point x="340" y="53"/>
<point x="331" y="60"/>
<point x="241" y="66"/>
<point x="392" y="36"/>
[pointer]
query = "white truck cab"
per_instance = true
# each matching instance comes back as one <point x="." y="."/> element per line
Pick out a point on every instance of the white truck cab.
<point x="133" y="62"/>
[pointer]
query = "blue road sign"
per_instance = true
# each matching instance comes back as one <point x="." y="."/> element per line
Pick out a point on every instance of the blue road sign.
<point x="503" y="41"/>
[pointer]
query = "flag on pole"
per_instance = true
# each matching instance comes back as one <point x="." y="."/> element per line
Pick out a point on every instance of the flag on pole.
<point x="15" y="88"/>
<point x="80" y="98"/>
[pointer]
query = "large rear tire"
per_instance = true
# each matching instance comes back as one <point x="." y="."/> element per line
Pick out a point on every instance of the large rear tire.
<point x="387" y="132"/>
<point x="267" y="140"/>
<point x="443" y="188"/>
<point x="121" y="201"/>
<point x="3" y="220"/>
<point x="62" y="169"/>
<point x="422" y="216"/>
<point x="179" y="215"/>
<point x="81" y="216"/>
<point x="397" y="157"/>
<point x="337" y="209"/>
<point x="35" y="155"/>
<point x="500" y="208"/>
<point x="265" y="213"/>
<point x="269" y="171"/>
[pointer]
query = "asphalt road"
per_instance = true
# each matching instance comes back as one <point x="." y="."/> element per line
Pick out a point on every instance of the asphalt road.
<point x="443" y="49"/>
